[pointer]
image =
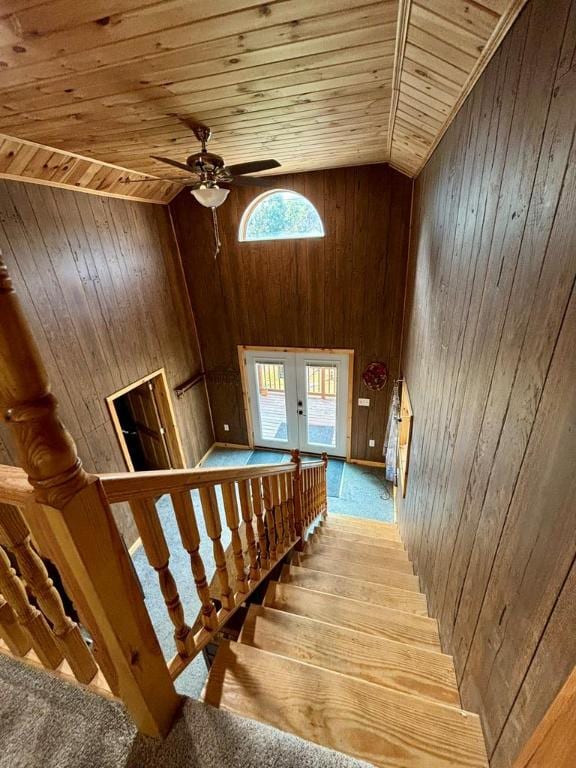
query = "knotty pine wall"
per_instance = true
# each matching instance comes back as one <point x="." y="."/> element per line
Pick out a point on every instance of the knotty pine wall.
<point x="102" y="288"/>
<point x="490" y="360"/>
<point x="343" y="291"/>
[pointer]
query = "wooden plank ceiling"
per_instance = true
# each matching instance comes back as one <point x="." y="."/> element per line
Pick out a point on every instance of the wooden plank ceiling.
<point x="313" y="84"/>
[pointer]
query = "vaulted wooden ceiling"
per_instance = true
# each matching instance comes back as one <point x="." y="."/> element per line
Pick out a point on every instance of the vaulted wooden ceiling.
<point x="312" y="83"/>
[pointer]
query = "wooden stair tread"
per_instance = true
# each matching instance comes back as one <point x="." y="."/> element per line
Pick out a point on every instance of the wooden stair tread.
<point x="364" y="525"/>
<point x="391" y="560"/>
<point x="371" y="572"/>
<point x="349" y="537"/>
<point x="389" y="623"/>
<point x="383" y="662"/>
<point x="356" y="589"/>
<point x="385" y="727"/>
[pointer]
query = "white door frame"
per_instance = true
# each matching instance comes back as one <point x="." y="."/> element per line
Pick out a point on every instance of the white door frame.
<point x="314" y="354"/>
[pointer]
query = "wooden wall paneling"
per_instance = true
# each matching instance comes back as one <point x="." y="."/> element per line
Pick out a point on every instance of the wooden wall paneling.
<point x="489" y="513"/>
<point x="552" y="663"/>
<point x="443" y="528"/>
<point x="506" y="268"/>
<point x="456" y="286"/>
<point x="537" y="544"/>
<point x="99" y="279"/>
<point x="545" y="265"/>
<point x="342" y="291"/>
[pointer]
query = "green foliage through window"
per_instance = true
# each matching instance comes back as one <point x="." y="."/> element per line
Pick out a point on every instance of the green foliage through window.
<point x="281" y="215"/>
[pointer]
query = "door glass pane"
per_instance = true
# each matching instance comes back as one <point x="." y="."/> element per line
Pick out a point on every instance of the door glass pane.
<point x="272" y="401"/>
<point x="321" y="391"/>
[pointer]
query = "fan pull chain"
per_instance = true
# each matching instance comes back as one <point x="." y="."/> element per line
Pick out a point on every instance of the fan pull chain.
<point x="217" y="243"/>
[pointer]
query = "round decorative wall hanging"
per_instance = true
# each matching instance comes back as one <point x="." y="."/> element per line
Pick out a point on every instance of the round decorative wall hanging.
<point x="375" y="375"/>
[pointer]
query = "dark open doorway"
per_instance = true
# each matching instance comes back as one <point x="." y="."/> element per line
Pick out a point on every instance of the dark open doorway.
<point x="144" y="422"/>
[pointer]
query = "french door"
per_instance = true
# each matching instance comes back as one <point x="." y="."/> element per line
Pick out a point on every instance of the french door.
<point x="298" y="400"/>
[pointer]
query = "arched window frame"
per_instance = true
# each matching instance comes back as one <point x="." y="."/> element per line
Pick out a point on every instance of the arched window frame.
<point x="256" y="202"/>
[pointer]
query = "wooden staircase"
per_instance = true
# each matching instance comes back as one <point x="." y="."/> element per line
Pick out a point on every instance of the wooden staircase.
<point x="342" y="653"/>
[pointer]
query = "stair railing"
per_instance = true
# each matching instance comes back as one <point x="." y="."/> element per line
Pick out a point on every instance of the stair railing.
<point x="53" y="511"/>
<point x="260" y="506"/>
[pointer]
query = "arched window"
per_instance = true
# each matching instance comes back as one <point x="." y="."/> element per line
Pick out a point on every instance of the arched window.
<point x="280" y="214"/>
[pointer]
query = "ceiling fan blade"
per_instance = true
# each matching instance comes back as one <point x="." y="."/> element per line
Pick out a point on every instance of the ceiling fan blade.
<point x="256" y="165"/>
<point x="171" y="179"/>
<point x="249" y="181"/>
<point x="175" y="163"/>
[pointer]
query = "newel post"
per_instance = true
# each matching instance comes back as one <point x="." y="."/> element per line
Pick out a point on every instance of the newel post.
<point x="297" y="493"/>
<point x="72" y="512"/>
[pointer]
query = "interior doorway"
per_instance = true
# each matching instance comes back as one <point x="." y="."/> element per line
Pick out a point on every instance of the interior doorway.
<point x="144" y="421"/>
<point x="298" y="399"/>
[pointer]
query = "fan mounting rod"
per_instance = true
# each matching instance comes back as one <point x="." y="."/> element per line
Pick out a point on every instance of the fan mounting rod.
<point x="203" y="134"/>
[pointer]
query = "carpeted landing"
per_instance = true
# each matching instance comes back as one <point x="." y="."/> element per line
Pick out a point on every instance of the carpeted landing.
<point x="46" y="723"/>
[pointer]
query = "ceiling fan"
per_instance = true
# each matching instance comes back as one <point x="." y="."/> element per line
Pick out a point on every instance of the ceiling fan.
<point x="208" y="171"/>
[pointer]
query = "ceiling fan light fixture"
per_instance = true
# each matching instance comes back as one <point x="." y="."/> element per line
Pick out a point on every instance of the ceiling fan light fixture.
<point x="210" y="197"/>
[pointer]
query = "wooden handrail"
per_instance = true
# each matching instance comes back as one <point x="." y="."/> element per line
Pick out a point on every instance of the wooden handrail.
<point x="127" y="486"/>
<point x="15" y="487"/>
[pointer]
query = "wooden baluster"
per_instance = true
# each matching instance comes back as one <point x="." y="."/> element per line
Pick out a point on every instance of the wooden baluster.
<point x="290" y="506"/>
<point x="284" y="507"/>
<point x="233" y="521"/>
<point x="305" y="499"/>
<point x="312" y="494"/>
<point x="158" y="555"/>
<point x="270" y="523"/>
<point x="317" y="471"/>
<point x="247" y="516"/>
<point x="278" y="520"/>
<point x="28" y="616"/>
<point x="11" y="632"/>
<point x="76" y="516"/>
<point x="214" y="531"/>
<point x="16" y="534"/>
<point x="256" y="486"/>
<point x="190" y="536"/>
<point x="298" y="501"/>
<point x="325" y="485"/>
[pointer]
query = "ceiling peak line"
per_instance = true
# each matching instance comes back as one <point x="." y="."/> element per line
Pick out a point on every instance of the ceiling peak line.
<point x="404" y="8"/>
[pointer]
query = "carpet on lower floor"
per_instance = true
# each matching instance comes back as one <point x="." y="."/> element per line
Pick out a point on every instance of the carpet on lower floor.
<point x="268" y="457"/>
<point x="47" y="723"/>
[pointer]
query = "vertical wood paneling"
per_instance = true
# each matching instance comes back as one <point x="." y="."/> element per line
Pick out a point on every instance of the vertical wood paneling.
<point x="490" y="333"/>
<point x="102" y="288"/>
<point x="343" y="291"/>
<point x="489" y="359"/>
